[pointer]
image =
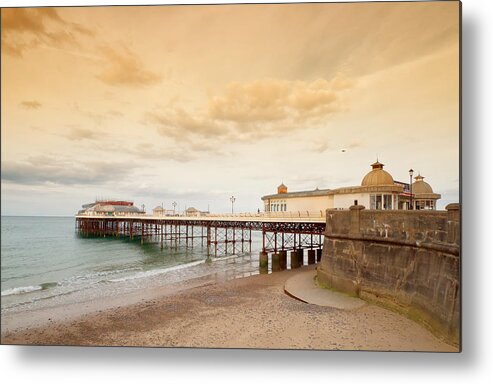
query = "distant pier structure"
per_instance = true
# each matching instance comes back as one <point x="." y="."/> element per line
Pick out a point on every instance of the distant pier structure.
<point x="294" y="232"/>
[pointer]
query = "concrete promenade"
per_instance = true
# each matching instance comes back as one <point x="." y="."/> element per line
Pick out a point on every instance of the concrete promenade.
<point x="304" y="287"/>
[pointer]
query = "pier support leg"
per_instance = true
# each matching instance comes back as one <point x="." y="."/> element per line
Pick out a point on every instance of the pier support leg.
<point x="283" y="260"/>
<point x="311" y="256"/>
<point x="319" y="255"/>
<point x="295" y="260"/>
<point x="250" y="240"/>
<point x="276" y="267"/>
<point x="263" y="262"/>
<point x="300" y="257"/>
<point x="208" y="241"/>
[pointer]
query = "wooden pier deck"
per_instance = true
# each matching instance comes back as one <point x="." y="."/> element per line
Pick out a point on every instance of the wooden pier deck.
<point x="222" y="234"/>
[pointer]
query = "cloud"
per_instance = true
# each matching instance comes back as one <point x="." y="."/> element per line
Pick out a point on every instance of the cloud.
<point x="147" y="151"/>
<point x="178" y="123"/>
<point x="14" y="49"/>
<point x="355" y="144"/>
<point x="24" y="28"/>
<point x="30" y="104"/>
<point x="96" y="117"/>
<point x="309" y="181"/>
<point x="255" y="110"/>
<point x="179" y="154"/>
<point x="183" y="196"/>
<point x="27" y="20"/>
<point x="124" y="68"/>
<point x="278" y="100"/>
<point x="82" y="134"/>
<point x="258" y="101"/>
<point x="321" y="146"/>
<point x="42" y="170"/>
<point x="114" y="112"/>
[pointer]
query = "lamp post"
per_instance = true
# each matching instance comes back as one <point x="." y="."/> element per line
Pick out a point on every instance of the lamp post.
<point x="232" y="199"/>
<point x="174" y="207"/>
<point x="411" y="188"/>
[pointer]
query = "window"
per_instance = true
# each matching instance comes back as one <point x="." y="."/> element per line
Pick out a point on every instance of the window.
<point x="373" y="202"/>
<point x="379" y="202"/>
<point x="387" y="201"/>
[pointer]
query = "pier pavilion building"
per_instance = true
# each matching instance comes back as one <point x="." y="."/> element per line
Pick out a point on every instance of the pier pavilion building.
<point x="423" y="195"/>
<point x="110" y="208"/>
<point x="192" y="211"/>
<point x="158" y="211"/>
<point x="378" y="190"/>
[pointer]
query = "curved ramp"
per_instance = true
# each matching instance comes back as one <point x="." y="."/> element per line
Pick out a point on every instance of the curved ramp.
<point x="303" y="286"/>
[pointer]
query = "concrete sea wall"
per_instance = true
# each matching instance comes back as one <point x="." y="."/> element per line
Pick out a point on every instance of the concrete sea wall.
<point x="408" y="261"/>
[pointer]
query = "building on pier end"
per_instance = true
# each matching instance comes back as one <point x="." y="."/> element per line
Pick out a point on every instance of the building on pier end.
<point x="378" y="190"/>
<point x="158" y="211"/>
<point x="110" y="208"/>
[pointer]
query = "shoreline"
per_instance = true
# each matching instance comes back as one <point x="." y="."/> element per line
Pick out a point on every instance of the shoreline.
<point x="38" y="318"/>
<point x="131" y="289"/>
<point x="249" y="312"/>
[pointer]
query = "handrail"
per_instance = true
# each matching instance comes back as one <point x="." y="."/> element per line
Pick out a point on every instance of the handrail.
<point x="295" y="216"/>
<point x="287" y="214"/>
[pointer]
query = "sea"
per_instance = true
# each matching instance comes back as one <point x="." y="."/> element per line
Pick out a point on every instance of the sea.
<point x="45" y="263"/>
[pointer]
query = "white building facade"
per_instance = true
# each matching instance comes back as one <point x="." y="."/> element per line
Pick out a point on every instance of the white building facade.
<point x="378" y="190"/>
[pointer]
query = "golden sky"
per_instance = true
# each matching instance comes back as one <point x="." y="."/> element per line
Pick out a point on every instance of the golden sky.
<point x="195" y="103"/>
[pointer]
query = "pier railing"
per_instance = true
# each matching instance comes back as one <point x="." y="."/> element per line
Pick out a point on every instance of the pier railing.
<point x="256" y="216"/>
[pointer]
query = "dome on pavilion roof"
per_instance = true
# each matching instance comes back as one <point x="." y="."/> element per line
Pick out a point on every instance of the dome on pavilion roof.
<point x="282" y="188"/>
<point x="420" y="186"/>
<point x="377" y="176"/>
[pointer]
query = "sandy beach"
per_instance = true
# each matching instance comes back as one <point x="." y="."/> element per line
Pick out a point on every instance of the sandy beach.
<point x="252" y="312"/>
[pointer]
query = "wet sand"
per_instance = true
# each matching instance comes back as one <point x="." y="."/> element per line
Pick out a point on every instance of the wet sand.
<point x="252" y="312"/>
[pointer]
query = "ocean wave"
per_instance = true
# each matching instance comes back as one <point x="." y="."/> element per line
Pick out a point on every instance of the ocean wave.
<point x="155" y="272"/>
<point x="34" y="300"/>
<point x="21" y="290"/>
<point x="96" y="275"/>
<point x="29" y="289"/>
<point x="214" y="259"/>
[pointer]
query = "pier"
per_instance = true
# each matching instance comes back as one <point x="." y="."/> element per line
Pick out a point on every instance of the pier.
<point x="282" y="232"/>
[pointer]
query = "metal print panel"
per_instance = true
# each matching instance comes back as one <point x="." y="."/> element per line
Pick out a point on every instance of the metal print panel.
<point x="273" y="176"/>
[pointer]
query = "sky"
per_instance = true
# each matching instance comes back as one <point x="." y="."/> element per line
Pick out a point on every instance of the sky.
<point x="195" y="104"/>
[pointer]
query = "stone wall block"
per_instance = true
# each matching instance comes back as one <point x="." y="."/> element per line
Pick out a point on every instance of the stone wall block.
<point x="355" y="218"/>
<point x="412" y="261"/>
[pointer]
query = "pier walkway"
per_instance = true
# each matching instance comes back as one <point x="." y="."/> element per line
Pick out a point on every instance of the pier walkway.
<point x="222" y="233"/>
